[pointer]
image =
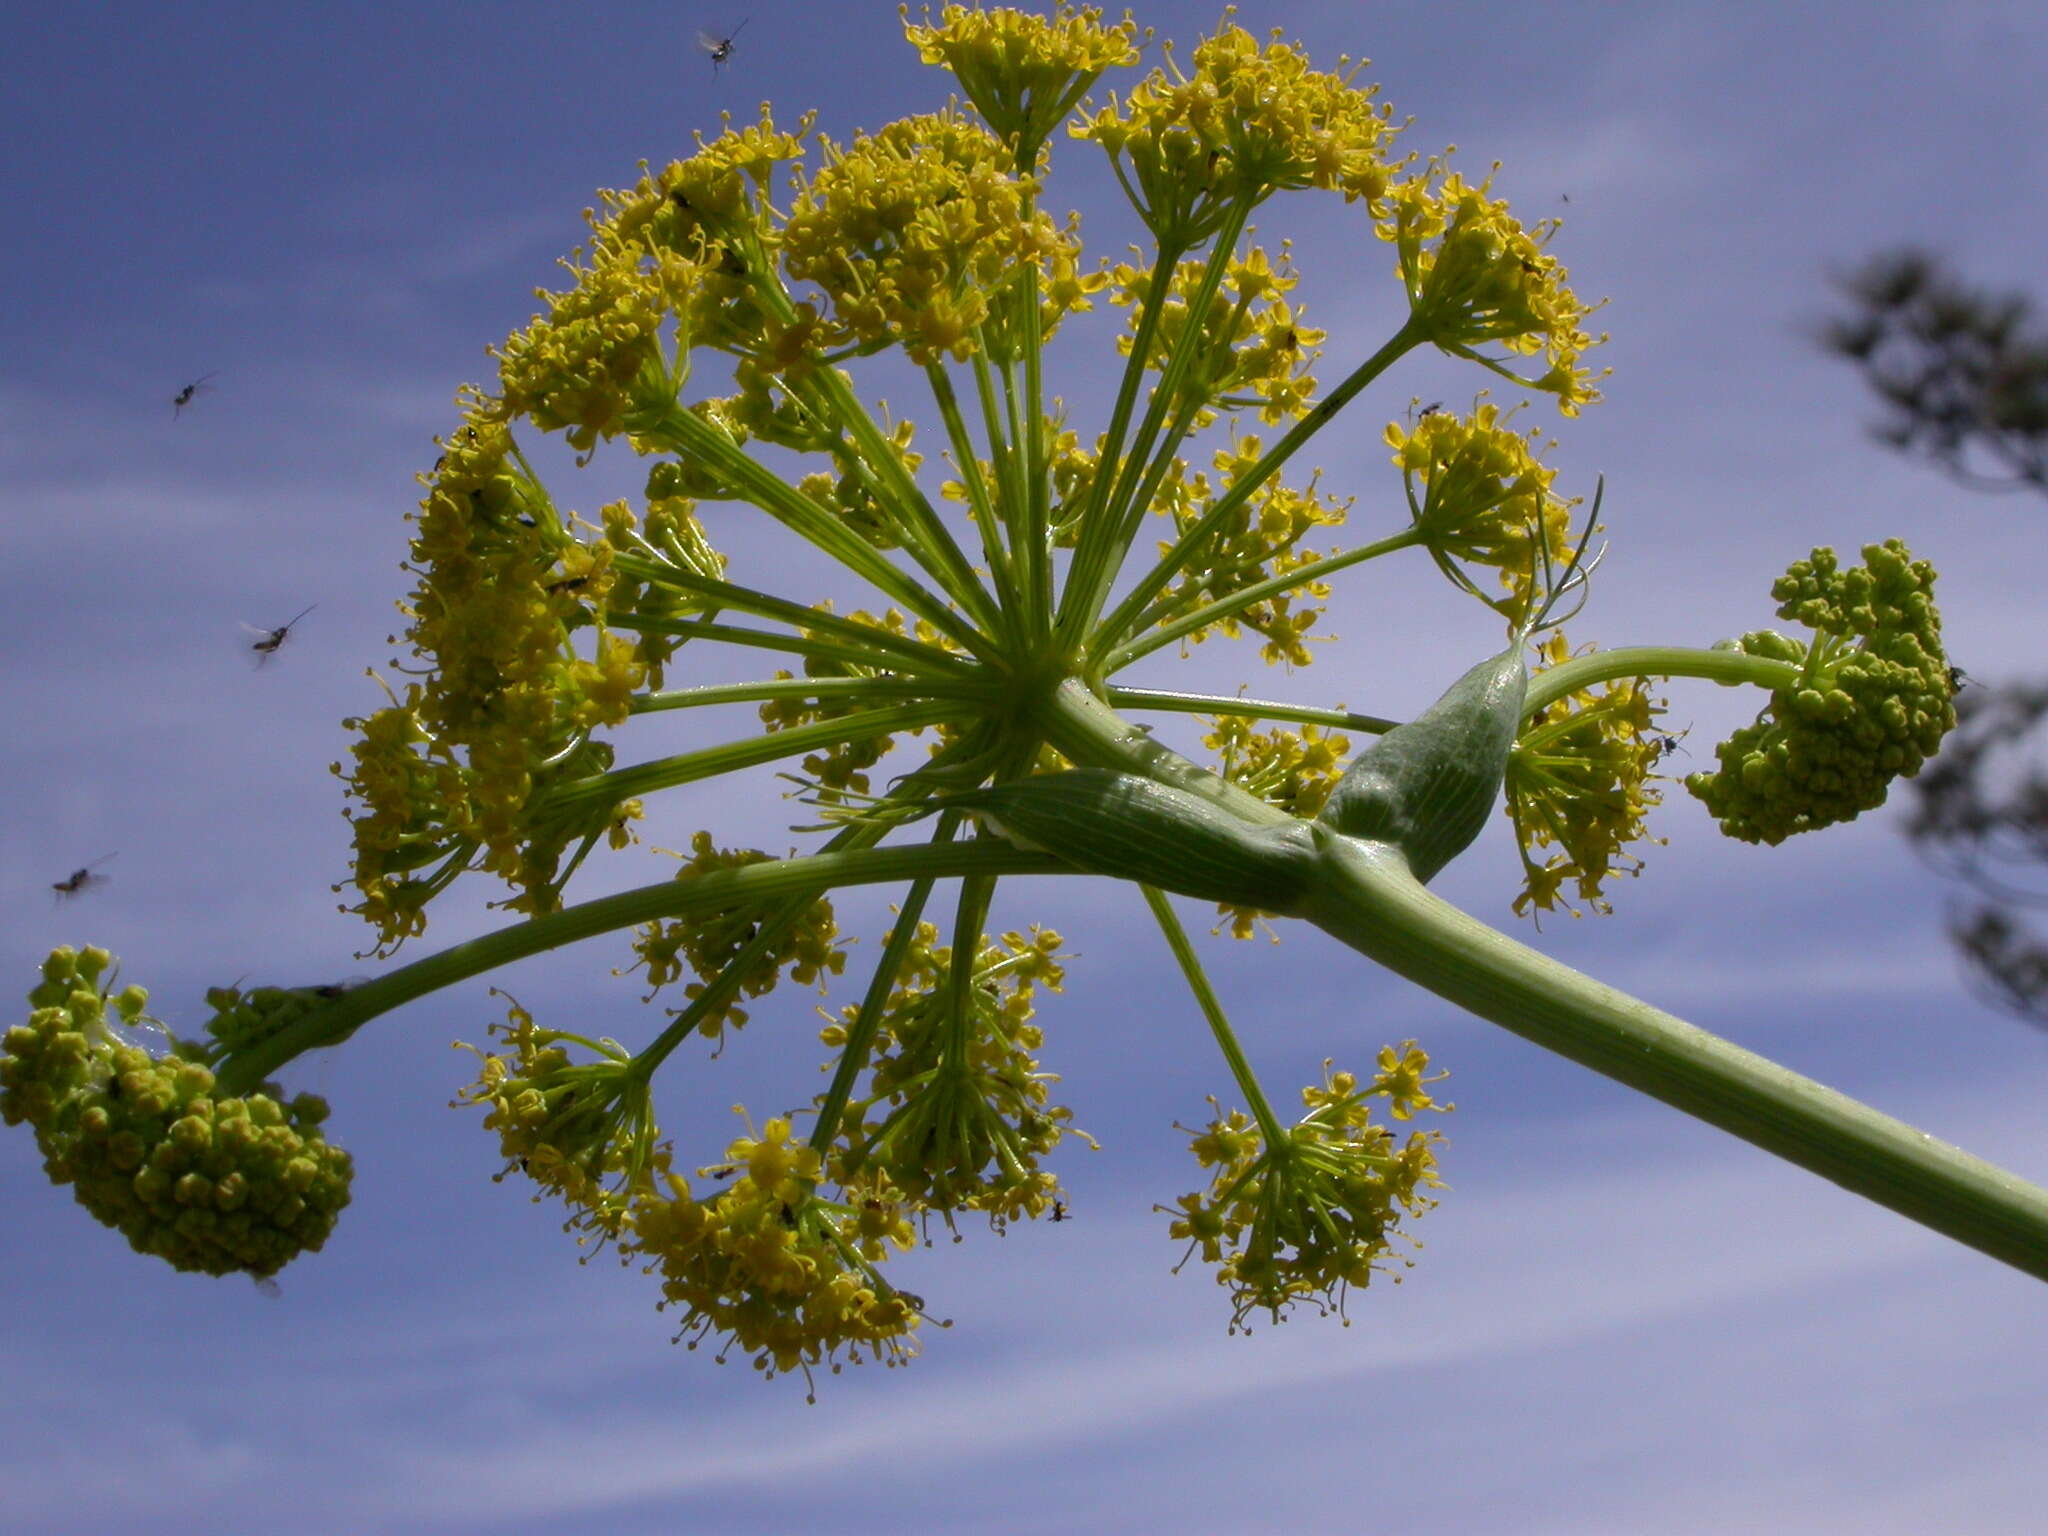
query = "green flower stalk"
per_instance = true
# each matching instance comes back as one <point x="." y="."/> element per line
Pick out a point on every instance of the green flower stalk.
<point x="961" y="719"/>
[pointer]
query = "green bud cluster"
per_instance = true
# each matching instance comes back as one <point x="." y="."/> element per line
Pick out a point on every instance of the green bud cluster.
<point x="216" y="1185"/>
<point x="1871" y="704"/>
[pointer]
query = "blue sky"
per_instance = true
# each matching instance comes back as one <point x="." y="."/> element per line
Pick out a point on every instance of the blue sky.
<point x="1622" y="1321"/>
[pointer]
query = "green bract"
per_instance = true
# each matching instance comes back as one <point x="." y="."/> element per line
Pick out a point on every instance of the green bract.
<point x="972" y="722"/>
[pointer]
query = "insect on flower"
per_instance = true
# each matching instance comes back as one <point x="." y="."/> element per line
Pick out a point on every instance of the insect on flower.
<point x="184" y="396"/>
<point x="720" y="48"/>
<point x="81" y="879"/>
<point x="1430" y="409"/>
<point x="269" y="640"/>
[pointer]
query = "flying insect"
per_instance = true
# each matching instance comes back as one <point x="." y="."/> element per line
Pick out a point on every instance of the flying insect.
<point x="720" y="48"/>
<point x="184" y="396"/>
<point x="268" y="641"/>
<point x="81" y="880"/>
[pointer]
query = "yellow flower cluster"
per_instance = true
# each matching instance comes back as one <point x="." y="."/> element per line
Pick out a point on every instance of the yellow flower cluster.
<point x="772" y="1268"/>
<point x="215" y="1185"/>
<point x="1474" y="275"/>
<point x="710" y="943"/>
<point x="1485" y="500"/>
<point x="1248" y="347"/>
<point x="1261" y="539"/>
<point x="960" y="1110"/>
<point x="704" y="232"/>
<point x="509" y="618"/>
<point x="1579" y="779"/>
<point x="1294" y="770"/>
<point x="915" y="233"/>
<point x="582" y="1131"/>
<point x="1023" y="72"/>
<point x="598" y="353"/>
<point x="1246" y="120"/>
<point x="1314" y="1214"/>
<point x="764" y="1263"/>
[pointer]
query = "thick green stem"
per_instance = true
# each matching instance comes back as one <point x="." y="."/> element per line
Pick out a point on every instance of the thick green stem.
<point x="1094" y="520"/>
<point x="1367" y="898"/>
<point x="1120" y="516"/>
<point x="808" y="620"/>
<point x="1031" y="542"/>
<point x="979" y="501"/>
<point x="925" y="524"/>
<point x="867" y="1022"/>
<point x="866" y="656"/>
<point x="704" y="894"/>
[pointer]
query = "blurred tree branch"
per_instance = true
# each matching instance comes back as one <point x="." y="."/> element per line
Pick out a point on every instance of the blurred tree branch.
<point x="1965" y="385"/>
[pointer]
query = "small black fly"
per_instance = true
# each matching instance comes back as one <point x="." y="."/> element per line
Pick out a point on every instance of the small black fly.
<point x="81" y="880"/>
<point x="184" y="396"/>
<point x="720" y="48"/>
<point x="268" y="641"/>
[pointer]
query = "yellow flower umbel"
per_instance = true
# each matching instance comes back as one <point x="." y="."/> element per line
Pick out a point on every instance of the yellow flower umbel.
<point x="913" y="230"/>
<point x="582" y="1131"/>
<point x="956" y="1111"/>
<point x="1474" y="276"/>
<point x="1309" y="1213"/>
<point x="1024" y="73"/>
<point x="773" y="1269"/>
<point x="1194" y="149"/>
<point x="1485" y="500"/>
<point x="1579" y="781"/>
